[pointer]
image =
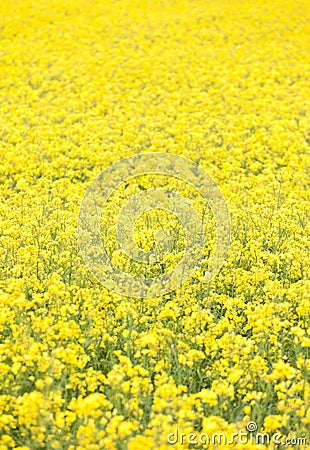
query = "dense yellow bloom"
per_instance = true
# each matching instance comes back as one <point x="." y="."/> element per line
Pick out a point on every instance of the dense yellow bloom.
<point x="85" y="84"/>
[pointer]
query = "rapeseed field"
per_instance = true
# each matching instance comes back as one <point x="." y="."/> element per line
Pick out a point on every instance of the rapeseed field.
<point x="85" y="84"/>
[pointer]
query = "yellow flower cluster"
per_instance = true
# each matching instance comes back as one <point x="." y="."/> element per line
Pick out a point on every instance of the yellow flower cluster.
<point x="84" y="84"/>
